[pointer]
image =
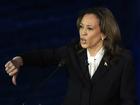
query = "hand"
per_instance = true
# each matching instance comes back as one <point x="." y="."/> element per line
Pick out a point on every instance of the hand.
<point x="12" y="67"/>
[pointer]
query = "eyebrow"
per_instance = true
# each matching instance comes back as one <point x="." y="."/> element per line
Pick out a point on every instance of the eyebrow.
<point x="89" y="25"/>
<point x="93" y="26"/>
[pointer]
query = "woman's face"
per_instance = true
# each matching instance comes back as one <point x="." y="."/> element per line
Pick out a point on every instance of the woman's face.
<point x="90" y="33"/>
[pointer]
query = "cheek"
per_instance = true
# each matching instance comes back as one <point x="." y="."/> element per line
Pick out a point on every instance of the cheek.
<point x="92" y="39"/>
<point x="80" y="32"/>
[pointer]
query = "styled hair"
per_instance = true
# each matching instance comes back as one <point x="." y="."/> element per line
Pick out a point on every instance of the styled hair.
<point x="108" y="27"/>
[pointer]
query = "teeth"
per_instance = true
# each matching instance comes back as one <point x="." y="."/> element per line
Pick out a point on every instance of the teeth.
<point x="83" y="41"/>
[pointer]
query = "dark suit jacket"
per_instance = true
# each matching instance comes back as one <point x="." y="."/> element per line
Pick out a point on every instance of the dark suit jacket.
<point x="112" y="84"/>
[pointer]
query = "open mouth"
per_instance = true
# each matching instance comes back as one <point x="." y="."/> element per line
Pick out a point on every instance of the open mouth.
<point x="83" y="41"/>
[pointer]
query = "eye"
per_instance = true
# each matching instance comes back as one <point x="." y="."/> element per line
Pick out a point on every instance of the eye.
<point x="89" y="28"/>
<point x="80" y="26"/>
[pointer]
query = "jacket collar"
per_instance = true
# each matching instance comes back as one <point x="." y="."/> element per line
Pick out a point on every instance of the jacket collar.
<point x="102" y="69"/>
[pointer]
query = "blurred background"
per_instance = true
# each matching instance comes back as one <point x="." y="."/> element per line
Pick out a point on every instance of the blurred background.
<point x="36" y="24"/>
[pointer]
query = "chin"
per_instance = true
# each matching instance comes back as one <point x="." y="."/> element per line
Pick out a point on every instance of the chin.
<point x="83" y="46"/>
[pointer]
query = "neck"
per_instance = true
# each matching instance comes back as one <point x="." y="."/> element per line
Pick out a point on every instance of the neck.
<point x="93" y="50"/>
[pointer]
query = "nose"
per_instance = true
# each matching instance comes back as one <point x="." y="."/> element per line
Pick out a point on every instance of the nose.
<point x="84" y="32"/>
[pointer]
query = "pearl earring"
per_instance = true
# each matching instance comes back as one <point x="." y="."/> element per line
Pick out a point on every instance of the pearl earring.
<point x="102" y="38"/>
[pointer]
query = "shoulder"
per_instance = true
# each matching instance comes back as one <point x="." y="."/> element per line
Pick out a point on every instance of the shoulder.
<point x="74" y="45"/>
<point x="71" y="47"/>
<point x="122" y="57"/>
<point x="125" y="54"/>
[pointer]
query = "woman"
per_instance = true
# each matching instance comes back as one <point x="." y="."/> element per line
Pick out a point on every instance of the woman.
<point x="101" y="73"/>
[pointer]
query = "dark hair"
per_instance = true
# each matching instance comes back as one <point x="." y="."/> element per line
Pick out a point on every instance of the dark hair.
<point x="108" y="26"/>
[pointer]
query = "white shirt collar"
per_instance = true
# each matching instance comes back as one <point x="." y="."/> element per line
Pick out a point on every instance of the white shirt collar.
<point x="98" y="55"/>
<point x="94" y="61"/>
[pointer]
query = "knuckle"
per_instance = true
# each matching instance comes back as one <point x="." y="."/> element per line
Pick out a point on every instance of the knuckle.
<point x="10" y="74"/>
<point x="6" y="69"/>
<point x="16" y="70"/>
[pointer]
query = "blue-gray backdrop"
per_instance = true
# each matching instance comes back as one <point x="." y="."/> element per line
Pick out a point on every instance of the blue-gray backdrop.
<point x="35" y="24"/>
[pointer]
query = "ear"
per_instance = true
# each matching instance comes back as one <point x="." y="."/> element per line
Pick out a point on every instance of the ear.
<point x="103" y="36"/>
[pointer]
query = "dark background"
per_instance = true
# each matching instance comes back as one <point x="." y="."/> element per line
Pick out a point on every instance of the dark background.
<point x="37" y="24"/>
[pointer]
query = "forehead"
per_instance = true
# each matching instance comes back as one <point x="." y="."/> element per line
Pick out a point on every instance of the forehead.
<point x="90" y="19"/>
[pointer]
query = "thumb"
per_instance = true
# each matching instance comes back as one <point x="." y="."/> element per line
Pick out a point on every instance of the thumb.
<point x="14" y="79"/>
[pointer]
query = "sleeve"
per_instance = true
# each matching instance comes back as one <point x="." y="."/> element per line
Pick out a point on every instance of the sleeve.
<point x="42" y="58"/>
<point x="128" y="83"/>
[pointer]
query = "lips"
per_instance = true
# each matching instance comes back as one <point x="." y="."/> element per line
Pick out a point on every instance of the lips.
<point x="83" y="41"/>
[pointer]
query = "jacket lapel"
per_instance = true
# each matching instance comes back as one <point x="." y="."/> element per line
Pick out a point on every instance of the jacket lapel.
<point x="82" y="57"/>
<point x="102" y="69"/>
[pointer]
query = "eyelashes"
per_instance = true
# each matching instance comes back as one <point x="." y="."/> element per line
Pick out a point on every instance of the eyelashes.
<point x="88" y="28"/>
